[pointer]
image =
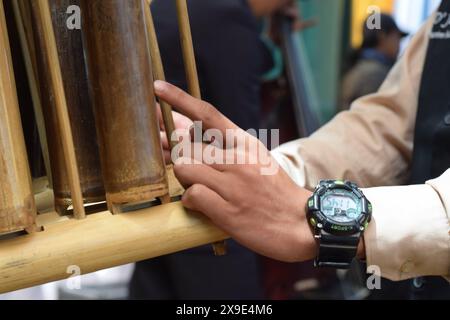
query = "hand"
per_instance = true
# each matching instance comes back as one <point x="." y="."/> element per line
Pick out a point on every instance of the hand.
<point x="260" y="208"/>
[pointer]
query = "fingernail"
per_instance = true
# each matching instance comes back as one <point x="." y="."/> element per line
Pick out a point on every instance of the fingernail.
<point x="160" y="86"/>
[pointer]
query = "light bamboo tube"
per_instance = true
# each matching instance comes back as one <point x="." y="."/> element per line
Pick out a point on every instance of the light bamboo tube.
<point x="158" y="72"/>
<point x="62" y="111"/>
<point x="190" y="65"/>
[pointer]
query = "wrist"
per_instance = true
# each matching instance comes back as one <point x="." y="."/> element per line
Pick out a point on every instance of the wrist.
<point x="338" y="214"/>
<point x="308" y="246"/>
<point x="361" y="249"/>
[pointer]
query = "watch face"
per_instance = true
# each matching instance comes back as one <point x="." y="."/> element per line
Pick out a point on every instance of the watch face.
<point x="341" y="206"/>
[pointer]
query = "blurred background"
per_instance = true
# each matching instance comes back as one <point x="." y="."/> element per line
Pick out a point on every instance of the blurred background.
<point x="303" y="79"/>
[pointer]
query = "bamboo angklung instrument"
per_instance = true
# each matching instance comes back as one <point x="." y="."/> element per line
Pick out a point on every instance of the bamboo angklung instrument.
<point x="49" y="66"/>
<point x="73" y="71"/>
<point x="121" y="84"/>
<point x="191" y="74"/>
<point x="17" y="206"/>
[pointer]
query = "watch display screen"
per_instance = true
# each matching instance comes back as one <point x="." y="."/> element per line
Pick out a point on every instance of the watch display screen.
<point x="341" y="206"/>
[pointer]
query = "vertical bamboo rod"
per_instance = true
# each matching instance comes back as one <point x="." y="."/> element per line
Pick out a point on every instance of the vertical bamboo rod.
<point x="62" y="112"/>
<point x="192" y="75"/>
<point x="158" y="72"/>
<point x="188" y="49"/>
<point x="34" y="89"/>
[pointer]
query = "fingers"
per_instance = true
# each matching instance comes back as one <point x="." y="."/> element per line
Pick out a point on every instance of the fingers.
<point x="202" y="153"/>
<point x="160" y="117"/>
<point x="167" y="157"/>
<point x="195" y="109"/>
<point x="190" y="172"/>
<point x="181" y="122"/>
<point x="204" y="200"/>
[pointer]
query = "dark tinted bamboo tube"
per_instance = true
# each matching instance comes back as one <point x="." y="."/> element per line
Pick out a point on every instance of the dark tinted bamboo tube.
<point x="17" y="207"/>
<point x="158" y="73"/>
<point x="29" y="58"/>
<point x="74" y="79"/>
<point x="121" y="83"/>
<point x="187" y="47"/>
<point x="43" y="17"/>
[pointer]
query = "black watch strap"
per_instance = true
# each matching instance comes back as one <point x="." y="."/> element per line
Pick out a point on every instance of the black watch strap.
<point x="337" y="252"/>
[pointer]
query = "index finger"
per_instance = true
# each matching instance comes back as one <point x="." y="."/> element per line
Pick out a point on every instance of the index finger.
<point x="196" y="110"/>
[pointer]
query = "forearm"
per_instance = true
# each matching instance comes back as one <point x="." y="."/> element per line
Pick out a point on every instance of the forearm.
<point x="371" y="144"/>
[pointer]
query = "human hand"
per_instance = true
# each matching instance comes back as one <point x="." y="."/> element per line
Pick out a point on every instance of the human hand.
<point x="255" y="202"/>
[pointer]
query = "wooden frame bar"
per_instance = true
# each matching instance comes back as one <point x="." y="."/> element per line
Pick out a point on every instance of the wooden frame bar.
<point x="98" y="242"/>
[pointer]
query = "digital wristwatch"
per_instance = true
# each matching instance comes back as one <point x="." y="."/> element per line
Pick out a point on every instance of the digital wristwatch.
<point x="339" y="213"/>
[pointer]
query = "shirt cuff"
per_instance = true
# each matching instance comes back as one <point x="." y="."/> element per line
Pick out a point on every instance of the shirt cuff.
<point x="296" y="171"/>
<point x="409" y="234"/>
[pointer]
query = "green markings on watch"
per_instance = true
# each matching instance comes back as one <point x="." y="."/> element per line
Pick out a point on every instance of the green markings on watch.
<point x="313" y="222"/>
<point x="339" y="182"/>
<point x="311" y="203"/>
<point x="370" y="207"/>
<point x="366" y="225"/>
<point x="340" y="228"/>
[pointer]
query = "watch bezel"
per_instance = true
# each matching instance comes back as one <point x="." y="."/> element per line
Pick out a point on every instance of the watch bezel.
<point x="320" y="221"/>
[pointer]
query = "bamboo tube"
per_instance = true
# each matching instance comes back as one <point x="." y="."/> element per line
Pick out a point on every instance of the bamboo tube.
<point x="17" y="207"/>
<point x="191" y="74"/>
<point x="73" y="71"/>
<point x="158" y="72"/>
<point x="33" y="84"/>
<point x="25" y="12"/>
<point x="51" y="52"/>
<point x="121" y="83"/>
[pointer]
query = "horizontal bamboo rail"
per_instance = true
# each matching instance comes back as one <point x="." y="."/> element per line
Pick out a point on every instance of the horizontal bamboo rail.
<point x="100" y="241"/>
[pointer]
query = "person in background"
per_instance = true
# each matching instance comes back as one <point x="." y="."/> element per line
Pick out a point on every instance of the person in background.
<point x="231" y="60"/>
<point x="370" y="65"/>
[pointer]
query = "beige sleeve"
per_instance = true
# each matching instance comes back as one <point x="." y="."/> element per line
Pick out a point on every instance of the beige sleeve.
<point x="372" y="145"/>
<point x="409" y="235"/>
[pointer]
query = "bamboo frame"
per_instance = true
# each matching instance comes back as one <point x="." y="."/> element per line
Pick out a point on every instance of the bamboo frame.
<point x="190" y="64"/>
<point x="158" y="71"/>
<point x="187" y="47"/>
<point x="62" y="111"/>
<point x="98" y="242"/>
